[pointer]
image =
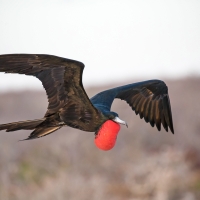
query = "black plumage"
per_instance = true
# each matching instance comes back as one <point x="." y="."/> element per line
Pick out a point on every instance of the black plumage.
<point x="69" y="104"/>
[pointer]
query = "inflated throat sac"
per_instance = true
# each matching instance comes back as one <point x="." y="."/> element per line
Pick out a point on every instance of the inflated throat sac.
<point x="105" y="138"/>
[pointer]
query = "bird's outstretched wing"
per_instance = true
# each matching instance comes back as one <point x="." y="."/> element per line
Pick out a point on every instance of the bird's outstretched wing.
<point x="61" y="78"/>
<point x="149" y="99"/>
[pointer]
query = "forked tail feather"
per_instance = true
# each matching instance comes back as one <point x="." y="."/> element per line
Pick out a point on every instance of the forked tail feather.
<point x="40" y="129"/>
<point x="25" y="125"/>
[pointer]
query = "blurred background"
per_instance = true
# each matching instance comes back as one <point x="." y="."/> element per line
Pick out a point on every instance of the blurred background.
<point x="119" y="42"/>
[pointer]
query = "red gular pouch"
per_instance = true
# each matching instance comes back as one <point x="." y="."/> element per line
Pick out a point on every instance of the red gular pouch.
<point x="107" y="134"/>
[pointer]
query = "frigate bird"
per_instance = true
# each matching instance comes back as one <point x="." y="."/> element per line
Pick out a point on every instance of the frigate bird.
<point x="69" y="104"/>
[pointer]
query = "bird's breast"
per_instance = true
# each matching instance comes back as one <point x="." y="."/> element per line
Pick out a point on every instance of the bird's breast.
<point x="106" y="136"/>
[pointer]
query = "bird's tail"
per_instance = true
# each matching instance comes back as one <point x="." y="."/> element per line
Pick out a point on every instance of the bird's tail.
<point x="36" y="124"/>
<point x="42" y="131"/>
<point x="26" y="125"/>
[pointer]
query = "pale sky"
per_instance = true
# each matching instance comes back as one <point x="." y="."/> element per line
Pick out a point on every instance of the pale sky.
<point x="117" y="40"/>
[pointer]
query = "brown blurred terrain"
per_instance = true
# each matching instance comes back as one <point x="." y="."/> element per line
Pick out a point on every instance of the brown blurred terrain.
<point x="144" y="165"/>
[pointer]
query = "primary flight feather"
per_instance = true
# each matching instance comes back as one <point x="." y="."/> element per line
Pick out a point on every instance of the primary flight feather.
<point x="69" y="104"/>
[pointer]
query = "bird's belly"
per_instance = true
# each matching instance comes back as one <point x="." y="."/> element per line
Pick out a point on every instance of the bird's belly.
<point x="91" y="127"/>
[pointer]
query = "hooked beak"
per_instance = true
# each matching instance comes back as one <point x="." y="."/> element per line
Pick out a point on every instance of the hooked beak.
<point x="119" y="121"/>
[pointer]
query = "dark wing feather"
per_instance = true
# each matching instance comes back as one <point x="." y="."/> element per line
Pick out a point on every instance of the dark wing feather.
<point x="62" y="80"/>
<point x="149" y="99"/>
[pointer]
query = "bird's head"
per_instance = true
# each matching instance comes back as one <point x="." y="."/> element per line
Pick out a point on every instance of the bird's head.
<point x="114" y="117"/>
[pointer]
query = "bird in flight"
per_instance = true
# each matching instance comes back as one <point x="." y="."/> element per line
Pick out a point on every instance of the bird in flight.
<point x="69" y="104"/>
